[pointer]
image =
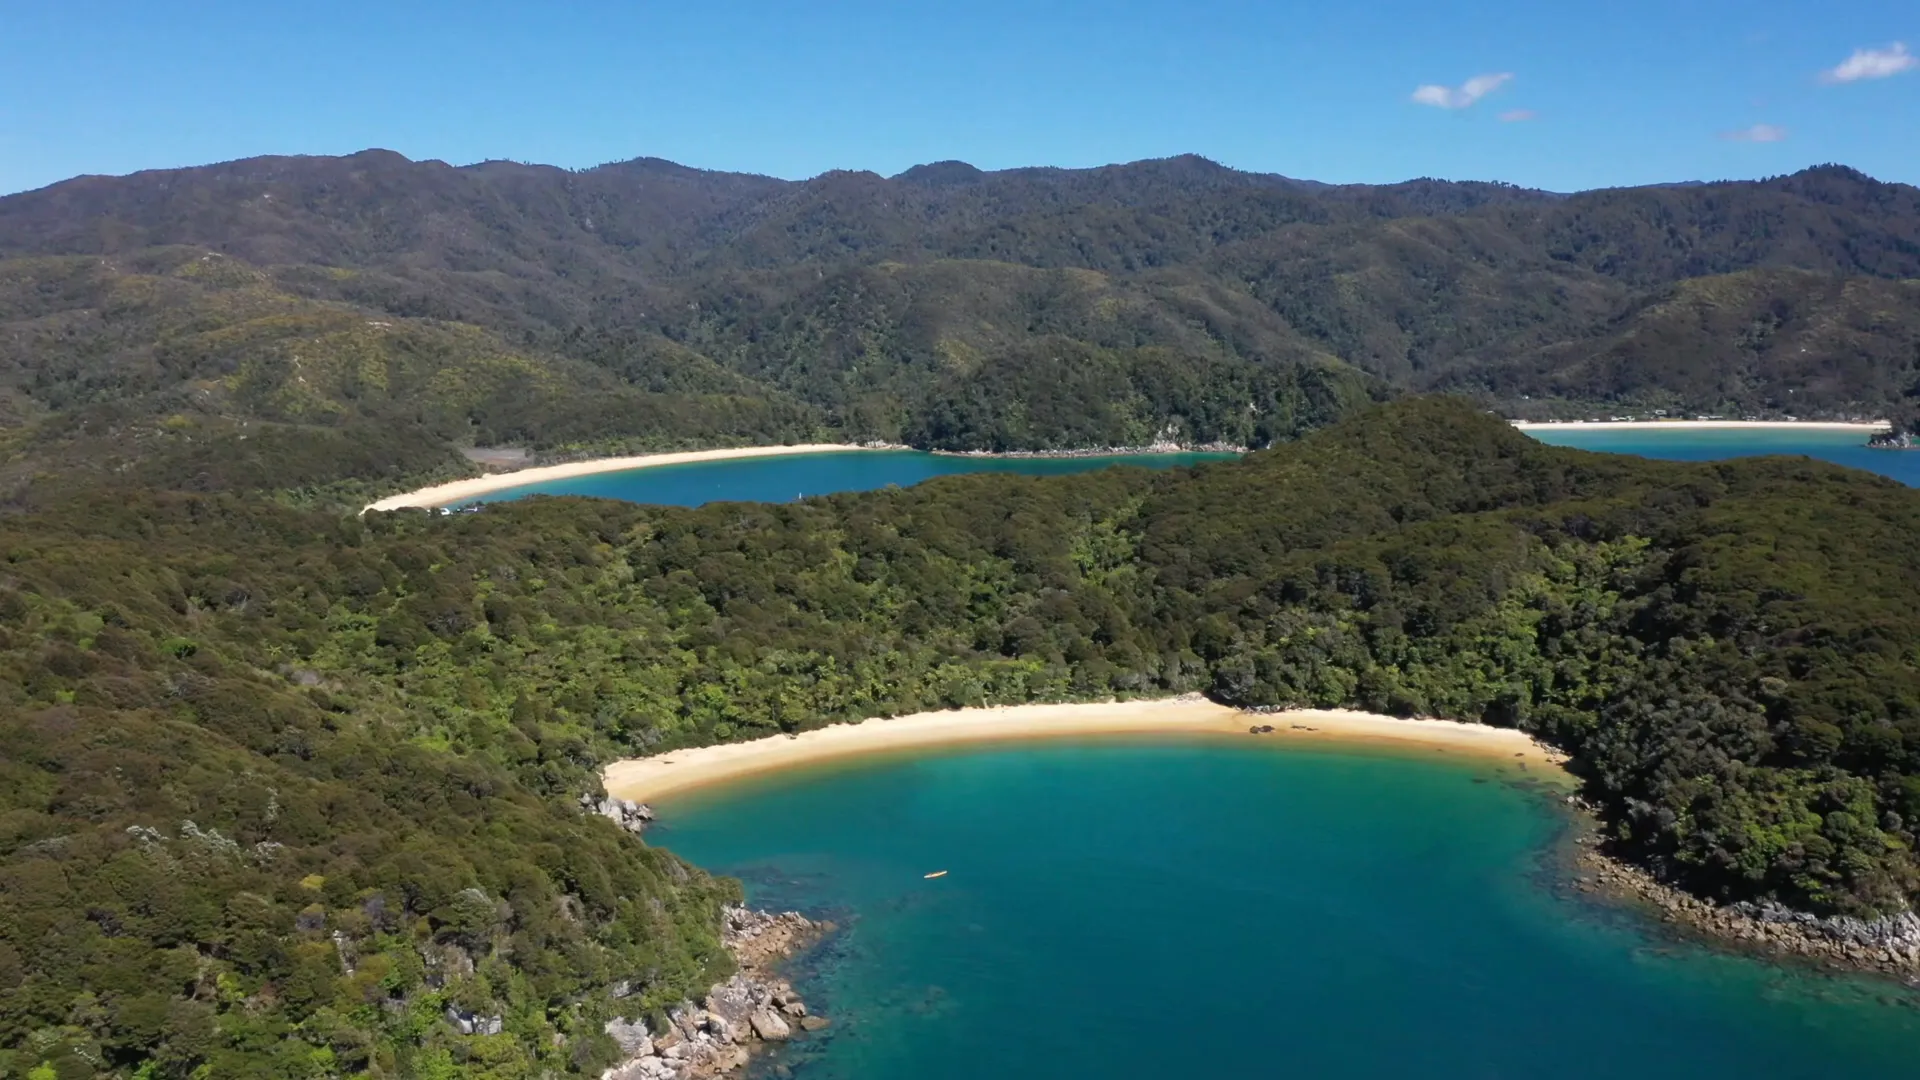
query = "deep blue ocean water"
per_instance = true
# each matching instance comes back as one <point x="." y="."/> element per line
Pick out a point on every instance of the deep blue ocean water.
<point x="1163" y="909"/>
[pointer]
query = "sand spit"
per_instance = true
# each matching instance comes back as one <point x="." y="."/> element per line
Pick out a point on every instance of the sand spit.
<point x="462" y="490"/>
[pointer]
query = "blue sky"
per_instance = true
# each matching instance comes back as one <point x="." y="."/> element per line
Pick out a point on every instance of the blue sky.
<point x="1621" y="92"/>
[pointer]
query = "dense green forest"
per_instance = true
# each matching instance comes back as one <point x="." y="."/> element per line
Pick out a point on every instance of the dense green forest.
<point x="282" y="785"/>
<point x="372" y="300"/>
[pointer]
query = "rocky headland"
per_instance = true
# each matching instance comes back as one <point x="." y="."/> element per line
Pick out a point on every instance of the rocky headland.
<point x="752" y="1010"/>
<point x="1888" y="946"/>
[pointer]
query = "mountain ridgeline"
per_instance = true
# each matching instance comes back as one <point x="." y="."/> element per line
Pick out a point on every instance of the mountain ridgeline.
<point x="280" y="787"/>
<point x="154" y="322"/>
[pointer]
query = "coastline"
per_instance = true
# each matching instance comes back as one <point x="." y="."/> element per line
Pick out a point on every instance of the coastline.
<point x="473" y="487"/>
<point x="1888" y="948"/>
<point x="1864" y="427"/>
<point x="457" y="491"/>
<point x="1100" y="451"/>
<point x="752" y="1011"/>
<point x="681" y="771"/>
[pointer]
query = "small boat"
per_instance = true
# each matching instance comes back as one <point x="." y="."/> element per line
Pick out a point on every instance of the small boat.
<point x="935" y="874"/>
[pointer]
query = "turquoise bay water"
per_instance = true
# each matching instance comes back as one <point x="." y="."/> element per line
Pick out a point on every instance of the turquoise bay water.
<point x="783" y="479"/>
<point x="1840" y="447"/>
<point x="1160" y="909"/>
<point x="1167" y="910"/>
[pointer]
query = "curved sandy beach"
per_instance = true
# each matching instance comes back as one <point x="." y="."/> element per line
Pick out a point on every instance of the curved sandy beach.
<point x="649" y="778"/>
<point x="462" y="490"/>
<point x="1865" y="427"/>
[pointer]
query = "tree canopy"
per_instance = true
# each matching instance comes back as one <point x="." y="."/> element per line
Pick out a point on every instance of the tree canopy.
<point x="281" y="786"/>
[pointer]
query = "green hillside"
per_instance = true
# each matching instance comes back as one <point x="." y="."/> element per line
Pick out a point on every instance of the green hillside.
<point x="644" y="304"/>
<point x="282" y="785"/>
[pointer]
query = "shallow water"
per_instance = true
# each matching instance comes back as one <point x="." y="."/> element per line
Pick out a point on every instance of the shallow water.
<point x="783" y="479"/>
<point x="1171" y="908"/>
<point x="1840" y="447"/>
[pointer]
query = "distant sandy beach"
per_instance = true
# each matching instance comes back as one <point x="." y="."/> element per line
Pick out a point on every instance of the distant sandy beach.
<point x="649" y="778"/>
<point x="1863" y="427"/>
<point x="462" y="490"/>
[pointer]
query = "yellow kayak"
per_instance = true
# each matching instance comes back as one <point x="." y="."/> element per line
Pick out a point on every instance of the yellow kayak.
<point x="935" y="874"/>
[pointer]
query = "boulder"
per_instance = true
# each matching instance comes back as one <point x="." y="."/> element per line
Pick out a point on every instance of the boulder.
<point x="646" y="1068"/>
<point x="632" y="1037"/>
<point x="467" y="1023"/>
<point x="654" y="1068"/>
<point x="688" y="1020"/>
<point x="813" y="1023"/>
<point x="629" y="815"/>
<point x="733" y="1000"/>
<point x="768" y="1025"/>
<point x="717" y="1026"/>
<point x="795" y="1008"/>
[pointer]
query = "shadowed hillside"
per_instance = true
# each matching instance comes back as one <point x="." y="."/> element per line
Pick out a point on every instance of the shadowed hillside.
<point x="646" y="304"/>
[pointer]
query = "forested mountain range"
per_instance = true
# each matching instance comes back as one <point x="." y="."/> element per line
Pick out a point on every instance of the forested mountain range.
<point x="369" y="298"/>
<point x="280" y="785"/>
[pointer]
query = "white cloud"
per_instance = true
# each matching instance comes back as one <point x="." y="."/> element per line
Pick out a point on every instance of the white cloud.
<point x="1872" y="64"/>
<point x="1756" y="133"/>
<point x="1515" y="116"/>
<point x="1452" y="97"/>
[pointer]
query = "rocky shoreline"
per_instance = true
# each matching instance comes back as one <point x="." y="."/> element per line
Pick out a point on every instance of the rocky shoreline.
<point x="632" y="816"/>
<point x="1888" y="947"/>
<point x="749" y="1012"/>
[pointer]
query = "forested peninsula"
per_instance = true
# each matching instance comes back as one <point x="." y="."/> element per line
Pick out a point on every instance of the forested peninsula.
<point x="281" y="785"/>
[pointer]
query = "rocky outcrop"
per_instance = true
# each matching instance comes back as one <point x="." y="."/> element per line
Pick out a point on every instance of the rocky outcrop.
<point x="472" y="1024"/>
<point x="1896" y="933"/>
<point x="633" y="1039"/>
<point x="629" y="815"/>
<point x="750" y="1010"/>
<point x="760" y="938"/>
<point x="1889" y="946"/>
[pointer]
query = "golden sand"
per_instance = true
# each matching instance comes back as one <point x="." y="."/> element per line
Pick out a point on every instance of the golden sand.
<point x="462" y="490"/>
<point x="649" y="778"/>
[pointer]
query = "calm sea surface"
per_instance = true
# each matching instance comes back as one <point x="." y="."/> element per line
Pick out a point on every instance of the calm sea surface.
<point x="1839" y="447"/>
<point x="1223" y="909"/>
<point x="783" y="479"/>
